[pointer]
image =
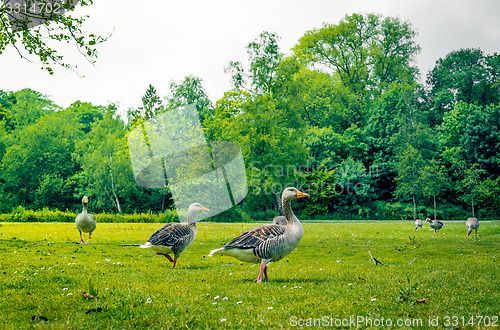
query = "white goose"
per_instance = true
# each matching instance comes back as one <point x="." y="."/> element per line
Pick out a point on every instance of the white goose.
<point x="435" y="224"/>
<point x="267" y="243"/>
<point x="418" y="223"/>
<point x="84" y="221"/>
<point x="175" y="237"/>
<point x="471" y="224"/>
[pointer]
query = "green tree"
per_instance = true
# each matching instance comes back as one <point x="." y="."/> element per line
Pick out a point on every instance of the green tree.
<point x="34" y="34"/>
<point x="366" y="51"/>
<point x="408" y="176"/>
<point x="466" y="75"/>
<point x="105" y="163"/>
<point x="37" y="152"/>
<point x="151" y="106"/>
<point x="190" y="91"/>
<point x="433" y="181"/>
<point x="470" y="183"/>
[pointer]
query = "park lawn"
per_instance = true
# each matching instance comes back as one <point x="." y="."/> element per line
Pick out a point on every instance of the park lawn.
<point x="328" y="279"/>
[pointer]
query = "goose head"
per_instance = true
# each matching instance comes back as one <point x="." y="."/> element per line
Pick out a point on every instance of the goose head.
<point x="427" y="220"/>
<point x="292" y="193"/>
<point x="85" y="200"/>
<point x="197" y="207"/>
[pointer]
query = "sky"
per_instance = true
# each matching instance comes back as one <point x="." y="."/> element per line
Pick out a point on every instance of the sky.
<point x="160" y="41"/>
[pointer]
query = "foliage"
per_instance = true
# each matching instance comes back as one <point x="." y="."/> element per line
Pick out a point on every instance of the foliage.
<point x="343" y="109"/>
<point x="368" y="52"/>
<point x="32" y="34"/>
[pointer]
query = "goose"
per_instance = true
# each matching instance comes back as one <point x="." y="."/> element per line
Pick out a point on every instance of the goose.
<point x="266" y="243"/>
<point x="84" y="221"/>
<point x="418" y="223"/>
<point x="175" y="237"/>
<point x="471" y="224"/>
<point x="436" y="225"/>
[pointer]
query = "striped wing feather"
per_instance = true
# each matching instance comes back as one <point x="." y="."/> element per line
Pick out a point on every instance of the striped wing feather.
<point x="256" y="236"/>
<point x="170" y="234"/>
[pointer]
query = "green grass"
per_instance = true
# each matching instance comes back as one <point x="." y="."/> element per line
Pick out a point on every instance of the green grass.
<point x="43" y="272"/>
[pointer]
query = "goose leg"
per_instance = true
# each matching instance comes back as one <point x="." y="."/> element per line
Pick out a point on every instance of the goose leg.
<point x="262" y="267"/>
<point x="175" y="261"/>
<point x="81" y="238"/>
<point x="88" y="239"/>
<point x="168" y="257"/>
<point x="476" y="232"/>
<point x="266" y="279"/>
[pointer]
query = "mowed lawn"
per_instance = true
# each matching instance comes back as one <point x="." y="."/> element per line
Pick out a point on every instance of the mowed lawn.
<point x="329" y="279"/>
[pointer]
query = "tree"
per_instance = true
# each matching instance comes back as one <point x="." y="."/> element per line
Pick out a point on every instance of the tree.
<point x="104" y="159"/>
<point x="32" y="29"/>
<point x="470" y="183"/>
<point x="366" y="51"/>
<point x="38" y="152"/>
<point x="433" y="181"/>
<point x="264" y="57"/>
<point x="190" y="91"/>
<point x="151" y="106"/>
<point x="408" y="178"/>
<point x="466" y="75"/>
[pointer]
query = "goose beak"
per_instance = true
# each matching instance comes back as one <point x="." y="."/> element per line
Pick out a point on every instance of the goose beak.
<point x="204" y="209"/>
<point x="300" y="194"/>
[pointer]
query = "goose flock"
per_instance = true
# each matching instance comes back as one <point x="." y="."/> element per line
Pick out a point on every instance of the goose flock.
<point x="260" y="245"/>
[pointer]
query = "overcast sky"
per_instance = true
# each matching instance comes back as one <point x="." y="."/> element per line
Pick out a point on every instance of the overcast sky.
<point x="157" y="41"/>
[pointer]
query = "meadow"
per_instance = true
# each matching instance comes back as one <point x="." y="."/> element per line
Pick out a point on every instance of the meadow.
<point x="444" y="280"/>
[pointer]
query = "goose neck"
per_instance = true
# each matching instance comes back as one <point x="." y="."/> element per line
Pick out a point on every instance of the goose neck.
<point x="287" y="210"/>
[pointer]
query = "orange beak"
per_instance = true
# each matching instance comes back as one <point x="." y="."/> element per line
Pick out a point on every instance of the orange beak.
<point x="300" y="194"/>
<point x="204" y="209"/>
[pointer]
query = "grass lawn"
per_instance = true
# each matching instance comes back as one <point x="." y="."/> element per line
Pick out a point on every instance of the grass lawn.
<point x="329" y="279"/>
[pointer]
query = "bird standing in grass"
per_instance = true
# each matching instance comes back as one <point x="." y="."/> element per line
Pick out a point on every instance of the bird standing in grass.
<point x="267" y="243"/>
<point x="175" y="237"/>
<point x="471" y="224"/>
<point x="84" y="221"/>
<point x="434" y="224"/>
<point x="418" y="223"/>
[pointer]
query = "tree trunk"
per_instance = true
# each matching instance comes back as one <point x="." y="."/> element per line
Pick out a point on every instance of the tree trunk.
<point x="414" y="208"/>
<point x="116" y="200"/>
<point x="472" y="197"/>
<point x="434" y="197"/>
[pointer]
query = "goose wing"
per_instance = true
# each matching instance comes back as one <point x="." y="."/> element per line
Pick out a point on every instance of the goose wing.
<point x="170" y="234"/>
<point x="256" y="236"/>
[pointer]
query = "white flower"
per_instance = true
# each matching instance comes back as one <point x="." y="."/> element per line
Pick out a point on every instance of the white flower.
<point x="149" y="301"/>
<point x="270" y="307"/>
<point x="373" y="299"/>
<point x="108" y="260"/>
<point x="214" y="303"/>
<point x="216" y="297"/>
<point x="225" y="298"/>
<point x="69" y="294"/>
<point x="223" y="320"/>
<point x="349" y="284"/>
<point x="238" y="302"/>
<point x="64" y="289"/>
<point x="35" y="274"/>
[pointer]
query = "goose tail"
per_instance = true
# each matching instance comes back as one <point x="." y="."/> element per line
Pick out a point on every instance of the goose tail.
<point x="146" y="245"/>
<point x="216" y="251"/>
